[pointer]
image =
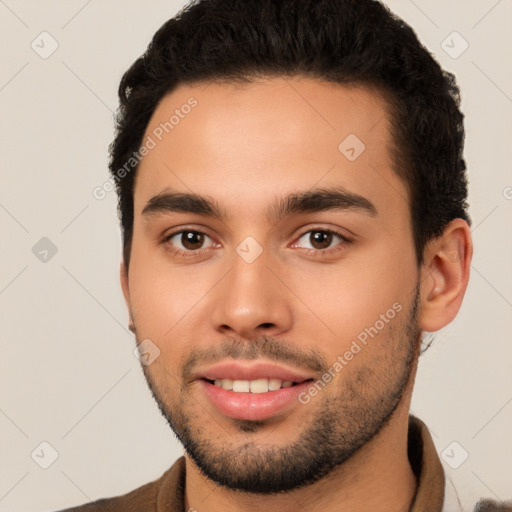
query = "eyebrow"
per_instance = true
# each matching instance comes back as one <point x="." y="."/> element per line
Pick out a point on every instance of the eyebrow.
<point x="311" y="201"/>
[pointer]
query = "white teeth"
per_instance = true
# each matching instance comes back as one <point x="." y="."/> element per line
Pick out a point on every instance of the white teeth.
<point x="258" y="386"/>
<point x="253" y="386"/>
<point x="274" y="384"/>
<point x="227" y="384"/>
<point x="224" y="383"/>
<point x="241" y="386"/>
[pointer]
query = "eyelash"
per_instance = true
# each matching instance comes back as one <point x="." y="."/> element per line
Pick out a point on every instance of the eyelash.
<point x="189" y="254"/>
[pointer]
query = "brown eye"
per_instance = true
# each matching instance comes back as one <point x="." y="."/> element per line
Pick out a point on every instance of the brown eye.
<point x="188" y="240"/>
<point x="322" y="240"/>
<point x="192" y="240"/>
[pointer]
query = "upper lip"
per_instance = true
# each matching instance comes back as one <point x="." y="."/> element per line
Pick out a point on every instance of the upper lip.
<point x="259" y="370"/>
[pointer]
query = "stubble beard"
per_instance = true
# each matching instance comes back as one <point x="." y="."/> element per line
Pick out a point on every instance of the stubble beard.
<point x="336" y="428"/>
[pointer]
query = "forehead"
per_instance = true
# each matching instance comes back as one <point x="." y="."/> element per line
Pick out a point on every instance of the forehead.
<point x="245" y="143"/>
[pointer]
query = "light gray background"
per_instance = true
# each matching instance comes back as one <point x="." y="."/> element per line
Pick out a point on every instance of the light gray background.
<point x="68" y="374"/>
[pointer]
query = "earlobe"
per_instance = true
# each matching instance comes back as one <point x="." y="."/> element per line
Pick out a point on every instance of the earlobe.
<point x="123" y="274"/>
<point x="445" y="275"/>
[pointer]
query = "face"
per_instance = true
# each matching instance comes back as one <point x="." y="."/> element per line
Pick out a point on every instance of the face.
<point x="273" y="267"/>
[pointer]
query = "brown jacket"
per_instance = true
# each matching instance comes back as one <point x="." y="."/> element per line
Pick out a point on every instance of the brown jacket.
<point x="167" y="493"/>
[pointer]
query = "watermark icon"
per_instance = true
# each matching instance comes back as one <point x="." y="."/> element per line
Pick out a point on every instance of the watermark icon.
<point x="146" y="352"/>
<point x="44" y="455"/>
<point x="44" y="45"/>
<point x="356" y="346"/>
<point x="351" y="147"/>
<point x="151" y="142"/>
<point x="249" y="249"/>
<point x="454" y="45"/>
<point x="507" y="192"/>
<point x="44" y="250"/>
<point x="454" y="455"/>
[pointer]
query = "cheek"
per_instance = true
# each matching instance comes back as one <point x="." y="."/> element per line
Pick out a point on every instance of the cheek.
<point x="159" y="302"/>
<point x="163" y="295"/>
<point x="153" y="293"/>
<point x="351" y="297"/>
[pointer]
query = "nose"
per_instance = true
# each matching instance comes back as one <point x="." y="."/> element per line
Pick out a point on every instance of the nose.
<point x="252" y="300"/>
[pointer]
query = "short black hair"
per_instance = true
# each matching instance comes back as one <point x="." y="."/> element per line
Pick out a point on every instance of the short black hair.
<point x="347" y="42"/>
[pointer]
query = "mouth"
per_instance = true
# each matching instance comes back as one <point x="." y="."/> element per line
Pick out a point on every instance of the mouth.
<point x="254" y="391"/>
<point x="259" y="404"/>
<point x="262" y="385"/>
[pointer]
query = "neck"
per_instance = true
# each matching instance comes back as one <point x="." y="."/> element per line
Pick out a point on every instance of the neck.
<point x="378" y="477"/>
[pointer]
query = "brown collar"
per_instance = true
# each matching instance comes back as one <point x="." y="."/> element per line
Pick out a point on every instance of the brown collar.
<point x="427" y="467"/>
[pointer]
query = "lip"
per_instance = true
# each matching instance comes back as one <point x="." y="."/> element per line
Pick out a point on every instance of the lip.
<point x="258" y="370"/>
<point x="253" y="406"/>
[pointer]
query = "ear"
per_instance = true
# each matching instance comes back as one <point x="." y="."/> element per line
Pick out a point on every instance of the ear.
<point x="123" y="274"/>
<point x="445" y="275"/>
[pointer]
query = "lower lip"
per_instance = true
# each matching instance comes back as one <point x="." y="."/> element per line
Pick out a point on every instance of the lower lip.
<point x="253" y="406"/>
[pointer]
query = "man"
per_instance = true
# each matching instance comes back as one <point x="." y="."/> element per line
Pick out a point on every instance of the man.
<point x="292" y="195"/>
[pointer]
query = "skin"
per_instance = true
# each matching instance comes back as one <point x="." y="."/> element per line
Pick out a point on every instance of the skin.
<point x="246" y="146"/>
